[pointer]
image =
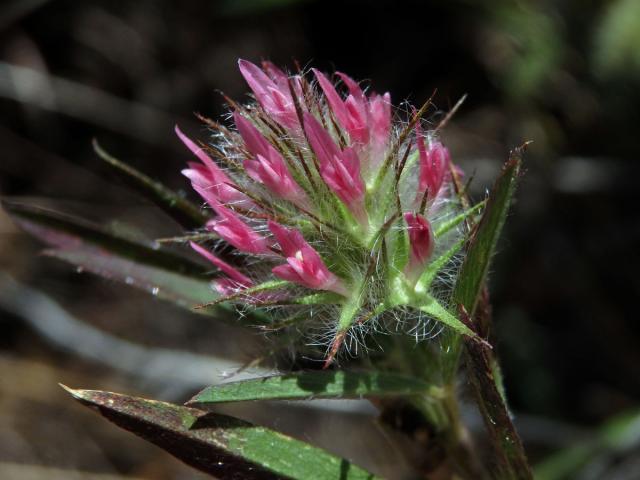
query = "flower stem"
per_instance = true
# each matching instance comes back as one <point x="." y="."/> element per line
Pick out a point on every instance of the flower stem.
<point x="444" y="415"/>
<point x="509" y="458"/>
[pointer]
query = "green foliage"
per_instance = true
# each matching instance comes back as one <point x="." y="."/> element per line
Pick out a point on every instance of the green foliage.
<point x="220" y="445"/>
<point x="307" y="385"/>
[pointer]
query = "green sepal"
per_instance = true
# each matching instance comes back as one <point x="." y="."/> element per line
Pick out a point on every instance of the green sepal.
<point x="446" y="226"/>
<point x="427" y="277"/>
<point x="434" y="309"/>
<point x="398" y="248"/>
<point x="349" y="312"/>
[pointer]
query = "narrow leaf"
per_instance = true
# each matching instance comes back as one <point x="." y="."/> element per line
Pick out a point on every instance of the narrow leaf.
<point x="317" y="384"/>
<point x="182" y="210"/>
<point x="93" y="249"/>
<point x="482" y="245"/>
<point x="62" y="230"/>
<point x="508" y="457"/>
<point x="181" y="289"/>
<point x="222" y="446"/>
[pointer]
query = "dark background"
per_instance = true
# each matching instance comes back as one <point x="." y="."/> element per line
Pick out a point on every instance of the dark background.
<point x="565" y="75"/>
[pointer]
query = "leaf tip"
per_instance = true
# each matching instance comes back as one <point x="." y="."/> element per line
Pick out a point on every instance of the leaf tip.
<point x="193" y="401"/>
<point x="77" y="394"/>
<point x="89" y="397"/>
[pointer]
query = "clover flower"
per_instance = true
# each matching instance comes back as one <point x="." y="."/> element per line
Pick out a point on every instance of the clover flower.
<point x="344" y="216"/>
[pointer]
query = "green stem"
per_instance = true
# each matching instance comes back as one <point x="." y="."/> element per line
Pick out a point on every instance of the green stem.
<point x="443" y="413"/>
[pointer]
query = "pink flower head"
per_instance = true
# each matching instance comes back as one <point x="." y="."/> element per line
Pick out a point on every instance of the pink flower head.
<point x="434" y="164"/>
<point x="421" y="242"/>
<point x="268" y="166"/>
<point x="322" y="156"/>
<point x="304" y="266"/>
<point x="339" y="169"/>
<point x="365" y="119"/>
<point x="213" y="185"/>
<point x="272" y="91"/>
<point x="237" y="233"/>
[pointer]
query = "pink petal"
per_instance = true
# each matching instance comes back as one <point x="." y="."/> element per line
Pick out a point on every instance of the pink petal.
<point x="350" y="114"/>
<point x="380" y="118"/>
<point x="274" y="96"/>
<point x="258" y="81"/>
<point x="421" y="241"/>
<point x="232" y="272"/>
<point x="275" y="73"/>
<point x="209" y="180"/>
<point x="334" y="100"/>
<point x="319" y="139"/>
<point x="434" y="164"/>
<point x="285" y="272"/>
<point x="339" y="169"/>
<point x="269" y="166"/>
<point x="226" y="286"/>
<point x="197" y="151"/>
<point x="304" y="265"/>
<point x="354" y="88"/>
<point x="357" y="126"/>
<point x="290" y="239"/>
<point x="252" y="137"/>
<point x="234" y="231"/>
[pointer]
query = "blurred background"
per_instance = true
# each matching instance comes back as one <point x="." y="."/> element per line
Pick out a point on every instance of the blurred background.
<point x="564" y="74"/>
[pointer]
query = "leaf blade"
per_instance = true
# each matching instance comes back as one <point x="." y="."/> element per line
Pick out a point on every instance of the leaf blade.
<point x="317" y="384"/>
<point x="482" y="245"/>
<point x="69" y="229"/>
<point x="182" y="290"/>
<point x="218" y="444"/>
<point x="94" y="249"/>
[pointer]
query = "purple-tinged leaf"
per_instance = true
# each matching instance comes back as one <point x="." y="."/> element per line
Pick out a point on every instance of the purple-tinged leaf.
<point x="96" y="250"/>
<point x="222" y="446"/>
